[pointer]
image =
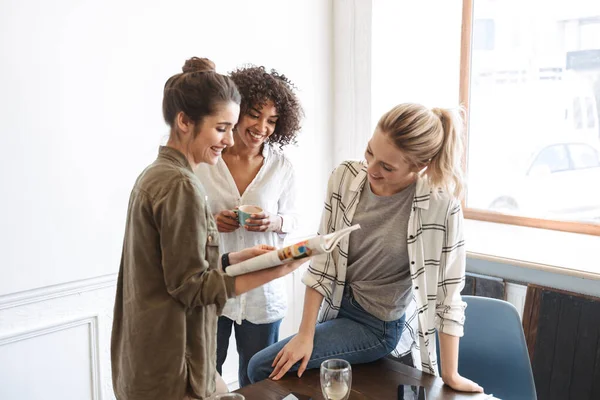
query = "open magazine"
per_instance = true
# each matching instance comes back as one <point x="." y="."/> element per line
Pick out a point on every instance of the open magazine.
<point x="316" y="245"/>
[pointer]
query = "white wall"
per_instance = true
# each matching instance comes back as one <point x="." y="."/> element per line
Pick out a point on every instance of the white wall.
<point x="415" y="54"/>
<point x="388" y="52"/>
<point x="80" y="117"/>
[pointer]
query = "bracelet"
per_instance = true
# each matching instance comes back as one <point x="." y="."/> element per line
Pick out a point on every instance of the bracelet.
<point x="225" y="261"/>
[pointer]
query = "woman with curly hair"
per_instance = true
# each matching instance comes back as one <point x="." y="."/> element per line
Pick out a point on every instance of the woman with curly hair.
<point x="254" y="171"/>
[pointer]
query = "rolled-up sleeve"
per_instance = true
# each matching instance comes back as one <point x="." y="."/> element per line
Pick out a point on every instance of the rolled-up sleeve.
<point x="450" y="309"/>
<point x="321" y="272"/>
<point x="181" y="216"/>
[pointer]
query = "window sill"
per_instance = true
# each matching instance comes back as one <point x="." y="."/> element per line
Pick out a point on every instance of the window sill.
<point x="558" y="252"/>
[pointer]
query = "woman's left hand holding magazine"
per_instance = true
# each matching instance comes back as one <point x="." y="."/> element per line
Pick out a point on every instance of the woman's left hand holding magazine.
<point x="251" y="280"/>
<point x="251" y="252"/>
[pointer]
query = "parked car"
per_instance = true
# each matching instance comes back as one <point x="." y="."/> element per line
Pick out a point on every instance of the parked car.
<point x="557" y="180"/>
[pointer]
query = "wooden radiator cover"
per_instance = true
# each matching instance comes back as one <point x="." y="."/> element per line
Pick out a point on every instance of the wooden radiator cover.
<point x="562" y="330"/>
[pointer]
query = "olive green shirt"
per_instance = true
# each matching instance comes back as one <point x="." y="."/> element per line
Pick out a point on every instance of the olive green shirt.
<point x="169" y="290"/>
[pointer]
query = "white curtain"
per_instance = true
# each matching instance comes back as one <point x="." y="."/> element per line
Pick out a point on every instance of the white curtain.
<point x="351" y="78"/>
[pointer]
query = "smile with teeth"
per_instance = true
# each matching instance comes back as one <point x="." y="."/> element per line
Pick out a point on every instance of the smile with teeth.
<point x="255" y="135"/>
<point x="217" y="149"/>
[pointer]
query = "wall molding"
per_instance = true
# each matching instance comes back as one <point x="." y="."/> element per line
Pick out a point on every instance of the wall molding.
<point x="55" y="291"/>
<point x="92" y="324"/>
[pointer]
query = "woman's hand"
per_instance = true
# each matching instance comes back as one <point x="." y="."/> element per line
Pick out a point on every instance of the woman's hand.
<point x="449" y="359"/>
<point x="462" y="384"/>
<point x="264" y="222"/>
<point x="252" y="280"/>
<point x="227" y="221"/>
<point x="299" y="348"/>
<point x="251" y="252"/>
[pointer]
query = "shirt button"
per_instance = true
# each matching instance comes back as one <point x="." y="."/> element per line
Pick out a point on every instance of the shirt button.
<point x="411" y="237"/>
<point x="416" y="288"/>
<point x="412" y="262"/>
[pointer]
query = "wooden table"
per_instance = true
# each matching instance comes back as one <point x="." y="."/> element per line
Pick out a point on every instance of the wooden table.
<point x="374" y="381"/>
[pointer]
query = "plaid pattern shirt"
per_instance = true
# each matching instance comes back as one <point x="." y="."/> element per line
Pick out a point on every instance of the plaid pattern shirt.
<point x="437" y="262"/>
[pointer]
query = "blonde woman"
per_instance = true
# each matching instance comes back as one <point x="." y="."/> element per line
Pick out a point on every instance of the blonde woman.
<point x="406" y="197"/>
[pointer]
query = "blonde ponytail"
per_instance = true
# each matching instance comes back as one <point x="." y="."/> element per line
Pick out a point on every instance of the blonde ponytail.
<point x="445" y="169"/>
<point x="430" y="140"/>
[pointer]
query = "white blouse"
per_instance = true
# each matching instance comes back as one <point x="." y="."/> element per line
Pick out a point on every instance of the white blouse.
<point x="274" y="190"/>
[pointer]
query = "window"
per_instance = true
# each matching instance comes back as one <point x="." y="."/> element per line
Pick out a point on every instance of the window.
<point x="590" y="35"/>
<point x="590" y="112"/>
<point x="528" y="196"/>
<point x="533" y="119"/>
<point x="483" y="34"/>
<point x="530" y="87"/>
<point x="553" y="159"/>
<point x="584" y="157"/>
<point x="577" y="114"/>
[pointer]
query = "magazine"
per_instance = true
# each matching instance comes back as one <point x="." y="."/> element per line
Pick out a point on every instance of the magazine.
<point x="316" y="245"/>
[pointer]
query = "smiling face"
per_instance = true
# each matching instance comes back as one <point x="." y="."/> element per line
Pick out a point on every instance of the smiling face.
<point x="213" y="134"/>
<point x="388" y="170"/>
<point x="203" y="142"/>
<point x="256" y="126"/>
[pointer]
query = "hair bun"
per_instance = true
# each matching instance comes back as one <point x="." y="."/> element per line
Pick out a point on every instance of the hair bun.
<point x="196" y="64"/>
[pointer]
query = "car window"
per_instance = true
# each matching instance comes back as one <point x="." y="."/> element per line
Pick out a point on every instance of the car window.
<point x="554" y="157"/>
<point x="583" y="156"/>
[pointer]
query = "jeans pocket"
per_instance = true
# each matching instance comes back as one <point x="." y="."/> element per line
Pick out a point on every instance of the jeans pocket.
<point x="355" y="304"/>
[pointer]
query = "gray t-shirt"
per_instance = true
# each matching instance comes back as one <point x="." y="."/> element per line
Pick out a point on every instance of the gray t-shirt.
<point x="378" y="270"/>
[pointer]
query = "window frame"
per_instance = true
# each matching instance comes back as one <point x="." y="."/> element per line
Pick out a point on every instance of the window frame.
<point x="464" y="97"/>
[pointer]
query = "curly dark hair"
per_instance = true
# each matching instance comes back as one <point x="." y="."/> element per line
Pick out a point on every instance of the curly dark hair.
<point x="257" y="86"/>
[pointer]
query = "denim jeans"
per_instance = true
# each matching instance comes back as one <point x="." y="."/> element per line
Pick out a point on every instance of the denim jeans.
<point x="355" y="336"/>
<point x="250" y="339"/>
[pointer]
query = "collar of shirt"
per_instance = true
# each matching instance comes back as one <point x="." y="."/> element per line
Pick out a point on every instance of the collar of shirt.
<point x="177" y="157"/>
<point x="422" y="192"/>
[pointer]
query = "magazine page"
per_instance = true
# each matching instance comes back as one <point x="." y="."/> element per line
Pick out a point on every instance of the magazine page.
<point x="311" y="247"/>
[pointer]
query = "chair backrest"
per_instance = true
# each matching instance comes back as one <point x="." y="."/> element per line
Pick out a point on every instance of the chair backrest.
<point x="493" y="351"/>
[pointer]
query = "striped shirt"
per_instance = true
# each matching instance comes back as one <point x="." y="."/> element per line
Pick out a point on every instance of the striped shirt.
<point x="437" y="262"/>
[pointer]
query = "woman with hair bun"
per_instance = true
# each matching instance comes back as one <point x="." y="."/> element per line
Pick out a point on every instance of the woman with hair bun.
<point x="170" y="287"/>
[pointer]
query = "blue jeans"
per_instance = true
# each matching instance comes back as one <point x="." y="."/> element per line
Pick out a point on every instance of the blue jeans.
<point x="250" y="339"/>
<point x="355" y="336"/>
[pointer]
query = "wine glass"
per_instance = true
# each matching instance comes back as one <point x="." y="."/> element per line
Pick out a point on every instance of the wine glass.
<point x="336" y="379"/>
